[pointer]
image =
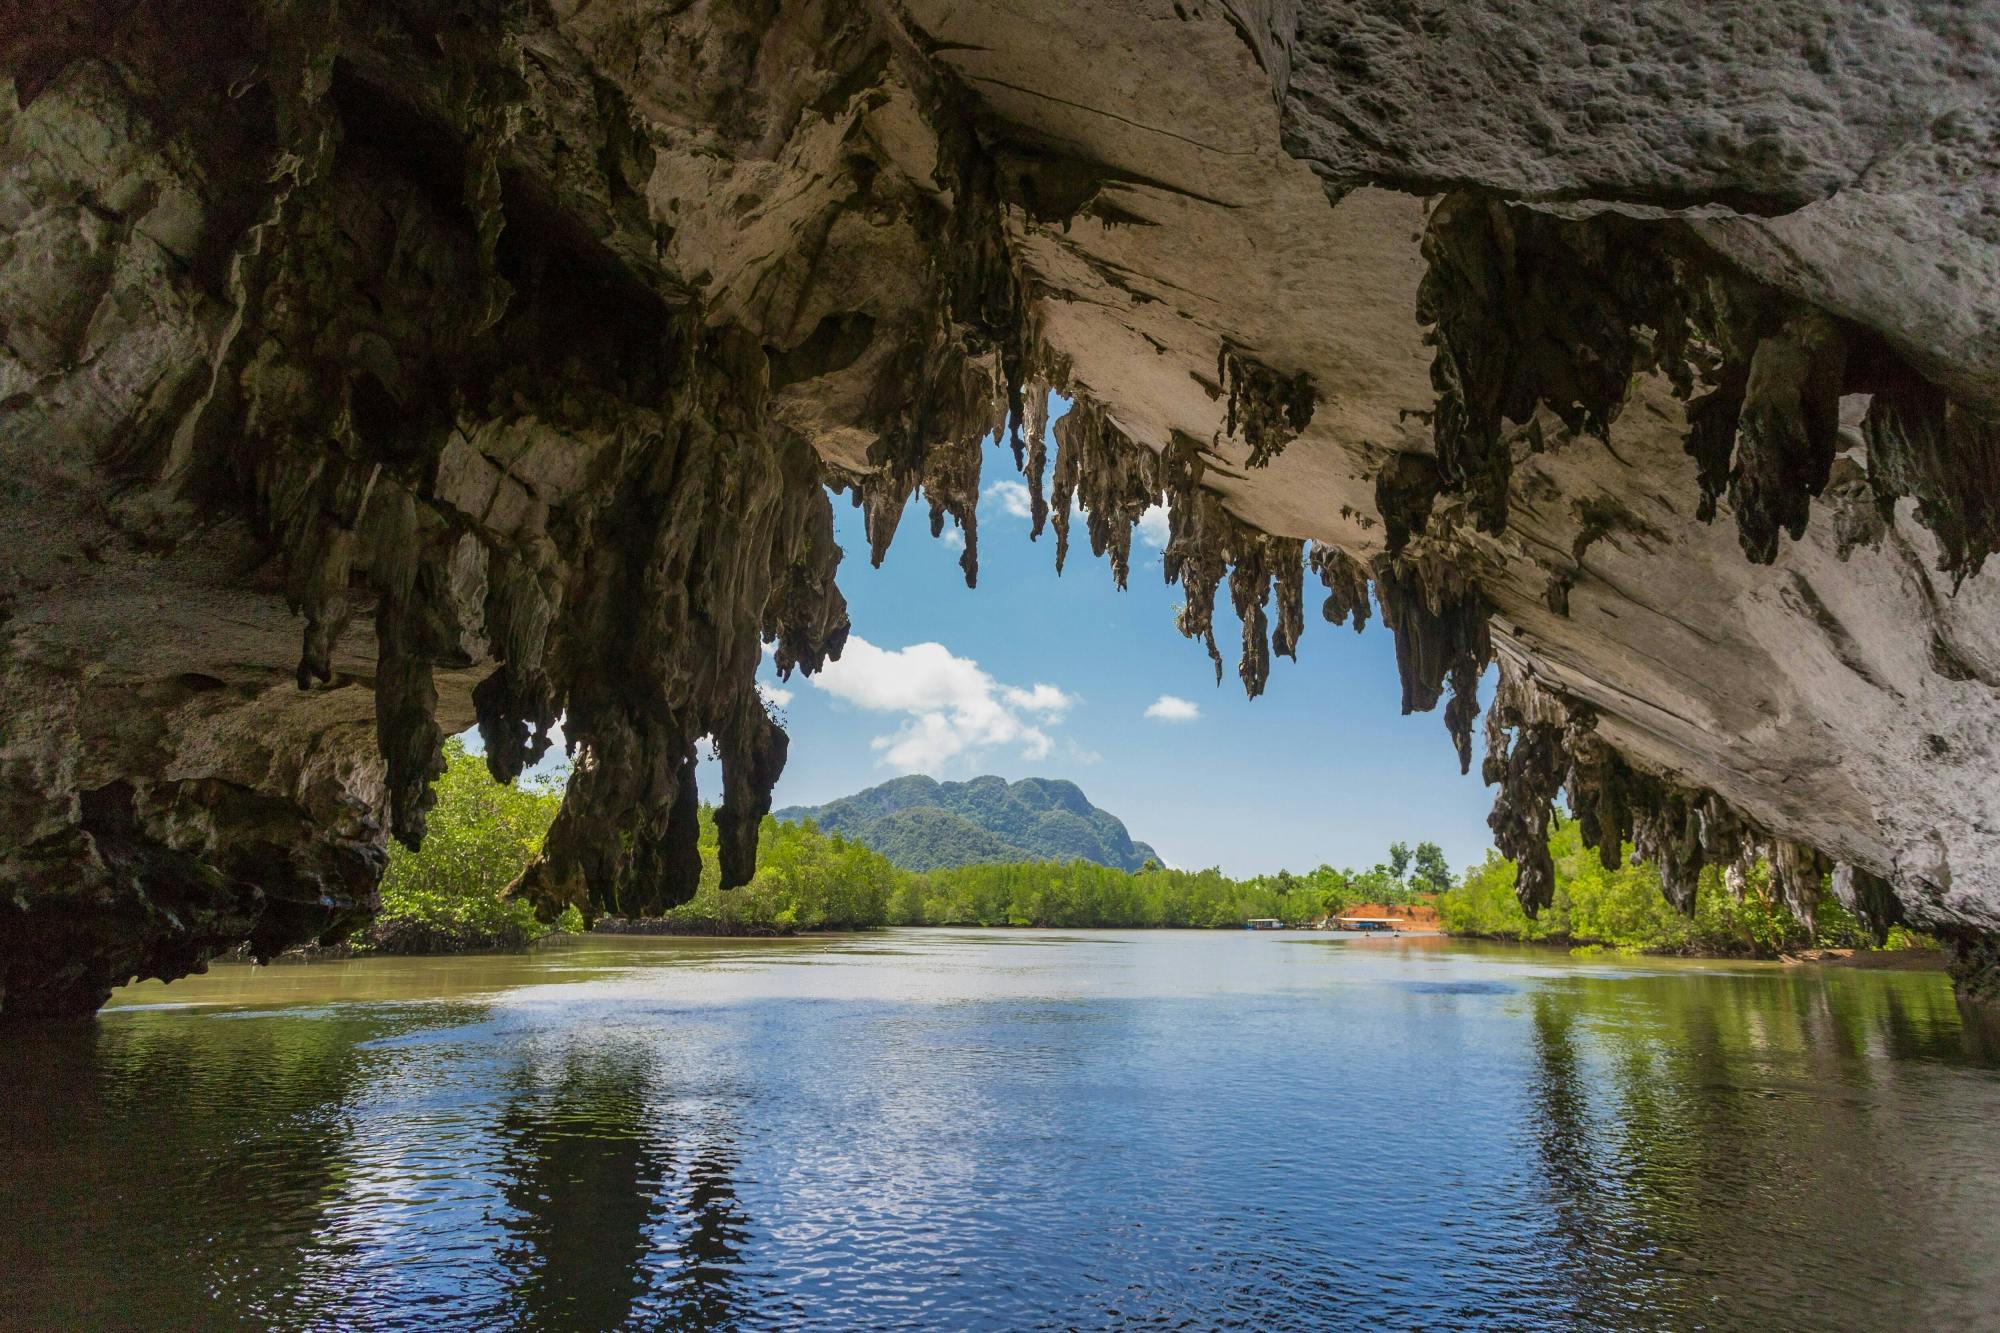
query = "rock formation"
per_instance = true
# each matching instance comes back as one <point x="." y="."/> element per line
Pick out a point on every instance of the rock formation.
<point x="375" y="367"/>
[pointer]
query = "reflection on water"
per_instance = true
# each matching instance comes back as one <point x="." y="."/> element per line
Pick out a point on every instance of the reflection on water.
<point x="582" y="1173"/>
<point x="1007" y="1130"/>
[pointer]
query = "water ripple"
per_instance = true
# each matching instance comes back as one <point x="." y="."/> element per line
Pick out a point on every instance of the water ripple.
<point x="1035" y="1130"/>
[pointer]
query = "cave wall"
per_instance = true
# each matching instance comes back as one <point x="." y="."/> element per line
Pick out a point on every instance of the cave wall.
<point x="373" y="369"/>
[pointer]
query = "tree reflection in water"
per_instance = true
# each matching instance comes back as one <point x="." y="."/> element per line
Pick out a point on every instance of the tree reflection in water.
<point x="208" y="1167"/>
<point x="625" y="1208"/>
<point x="1111" y="1132"/>
<point x="1687" y="1134"/>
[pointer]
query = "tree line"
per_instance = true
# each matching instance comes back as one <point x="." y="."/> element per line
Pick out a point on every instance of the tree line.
<point x="1625" y="910"/>
<point x="451" y="895"/>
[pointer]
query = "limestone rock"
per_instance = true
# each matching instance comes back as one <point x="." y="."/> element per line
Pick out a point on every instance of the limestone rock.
<point x="374" y="369"/>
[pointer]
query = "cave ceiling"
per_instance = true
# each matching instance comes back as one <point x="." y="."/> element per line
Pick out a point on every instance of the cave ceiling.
<point x="376" y="370"/>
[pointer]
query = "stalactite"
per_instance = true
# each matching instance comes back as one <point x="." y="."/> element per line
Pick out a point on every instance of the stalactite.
<point x="1346" y="581"/>
<point x="1869" y="897"/>
<point x="951" y="486"/>
<point x="963" y="380"/>
<point x="1249" y="589"/>
<point x="1539" y="744"/>
<point x="1667" y="833"/>
<point x="1946" y="457"/>
<point x="1260" y="560"/>
<point x="1786" y="432"/>
<point x="1528" y="310"/>
<point x="406" y="719"/>
<point x="1798" y="872"/>
<point x="1266" y="409"/>
<point x="1406" y="485"/>
<point x="1526" y="759"/>
<point x="1036" y="464"/>
<point x="1111" y="479"/>
<point x="932" y="411"/>
<point x="806" y="617"/>
<point x="516" y="703"/>
<point x="1288" y="574"/>
<point x="1533" y="311"/>
<point x="1439" y="619"/>
<point x="1196" y="557"/>
<point x="721" y="533"/>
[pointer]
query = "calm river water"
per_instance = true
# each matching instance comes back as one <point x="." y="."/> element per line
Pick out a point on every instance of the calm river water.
<point x="1008" y="1130"/>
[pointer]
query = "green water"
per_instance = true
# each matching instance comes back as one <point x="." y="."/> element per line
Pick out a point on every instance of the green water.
<point x="1023" y="1129"/>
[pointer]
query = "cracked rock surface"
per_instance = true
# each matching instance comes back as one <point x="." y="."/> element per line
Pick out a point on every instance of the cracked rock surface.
<point x="372" y="370"/>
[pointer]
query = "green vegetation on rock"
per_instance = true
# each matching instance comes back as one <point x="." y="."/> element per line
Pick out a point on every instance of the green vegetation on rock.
<point x="922" y="824"/>
<point x="1624" y="909"/>
<point x="805" y="880"/>
<point x="452" y="896"/>
<point x="449" y="897"/>
<point x="1080" y="894"/>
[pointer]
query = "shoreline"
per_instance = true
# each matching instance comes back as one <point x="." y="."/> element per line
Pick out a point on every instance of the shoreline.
<point x="1914" y="960"/>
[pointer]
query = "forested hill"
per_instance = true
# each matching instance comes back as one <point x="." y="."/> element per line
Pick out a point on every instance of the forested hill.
<point x="923" y="824"/>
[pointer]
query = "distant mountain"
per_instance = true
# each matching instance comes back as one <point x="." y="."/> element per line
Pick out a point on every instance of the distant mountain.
<point x="923" y="824"/>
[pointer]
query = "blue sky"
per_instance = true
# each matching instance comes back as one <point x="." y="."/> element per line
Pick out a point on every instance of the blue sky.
<point x="1035" y="675"/>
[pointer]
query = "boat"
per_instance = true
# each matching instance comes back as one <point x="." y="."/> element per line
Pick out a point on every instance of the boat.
<point x="1263" y="923"/>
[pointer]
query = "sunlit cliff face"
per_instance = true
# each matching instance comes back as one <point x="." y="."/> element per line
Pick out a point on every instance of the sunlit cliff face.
<point x="373" y="371"/>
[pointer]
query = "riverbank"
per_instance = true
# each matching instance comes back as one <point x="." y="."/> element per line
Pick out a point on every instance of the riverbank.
<point x="1415" y="916"/>
<point x="1416" y="921"/>
<point x="1419" y="920"/>
<point x="1918" y="956"/>
<point x="1909" y="960"/>
<point x="711" y="928"/>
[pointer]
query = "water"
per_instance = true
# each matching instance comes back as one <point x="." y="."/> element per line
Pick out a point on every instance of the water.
<point x="1008" y="1130"/>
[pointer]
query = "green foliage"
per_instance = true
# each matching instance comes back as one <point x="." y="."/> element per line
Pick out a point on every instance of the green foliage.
<point x="451" y="897"/>
<point x="926" y="839"/>
<point x="1902" y="937"/>
<point x="805" y="880"/>
<point x="1431" y="873"/>
<point x="922" y="824"/>
<point x="448" y="897"/>
<point x="1081" y="894"/>
<point x="1624" y="909"/>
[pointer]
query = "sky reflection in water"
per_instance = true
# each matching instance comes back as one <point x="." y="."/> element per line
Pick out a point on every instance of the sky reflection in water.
<point x="1008" y="1130"/>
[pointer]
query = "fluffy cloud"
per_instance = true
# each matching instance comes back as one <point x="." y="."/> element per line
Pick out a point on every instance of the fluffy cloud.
<point x="1012" y="499"/>
<point x="1011" y="496"/>
<point x="951" y="707"/>
<point x="775" y="695"/>
<point x="1172" y="708"/>
<point x="1044" y="700"/>
<point x="1153" y="527"/>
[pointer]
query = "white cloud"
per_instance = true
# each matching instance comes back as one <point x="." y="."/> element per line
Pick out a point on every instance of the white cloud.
<point x="1046" y="700"/>
<point x="951" y="707"/>
<point x="1013" y="499"/>
<point x="1153" y="527"/>
<point x="1011" y="496"/>
<point x="775" y="695"/>
<point x="953" y="539"/>
<point x="1173" y="708"/>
